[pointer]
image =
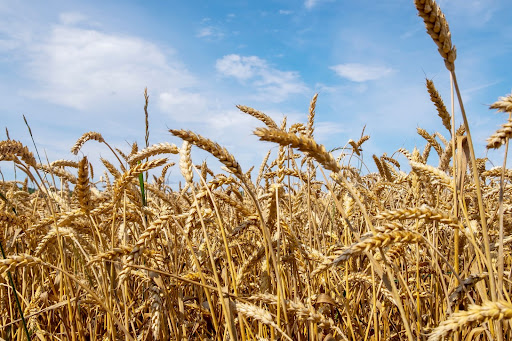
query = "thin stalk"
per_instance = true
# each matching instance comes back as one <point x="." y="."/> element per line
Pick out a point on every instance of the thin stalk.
<point x="483" y="219"/>
<point x="456" y="236"/>
<point x="500" y="245"/>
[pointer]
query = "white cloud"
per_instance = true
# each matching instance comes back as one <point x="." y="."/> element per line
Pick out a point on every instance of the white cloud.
<point x="240" y="67"/>
<point x="71" y="18"/>
<point x="326" y="131"/>
<point x="271" y="84"/>
<point x="360" y="72"/>
<point x="285" y="12"/>
<point x="211" y="32"/>
<point x="309" y="4"/>
<point x="184" y="106"/>
<point x="472" y="12"/>
<point x="83" y="68"/>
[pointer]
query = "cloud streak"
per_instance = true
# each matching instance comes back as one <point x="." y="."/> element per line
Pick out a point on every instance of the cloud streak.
<point x="361" y="73"/>
<point x="270" y="83"/>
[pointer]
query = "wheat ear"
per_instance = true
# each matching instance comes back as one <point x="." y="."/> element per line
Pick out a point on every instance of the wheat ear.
<point x="423" y="133"/>
<point x="60" y="172"/>
<point x="82" y="188"/>
<point x="371" y="242"/>
<point x="139" y="247"/>
<point x="498" y="310"/>
<point x="438" y="29"/>
<point x="259" y="314"/>
<point x="304" y="313"/>
<point x="500" y="136"/>
<point x="419" y="213"/>
<point x="12" y="262"/>
<point x="10" y="149"/>
<point x="213" y="148"/>
<point x="64" y="163"/>
<point x="302" y="143"/>
<point x="84" y="138"/>
<point x="438" y="102"/>
<point x="156" y="149"/>
<point x="504" y="104"/>
<point x="186" y="162"/>
<point x="433" y="173"/>
<point x="311" y="116"/>
<point x="259" y="115"/>
<point x="132" y="173"/>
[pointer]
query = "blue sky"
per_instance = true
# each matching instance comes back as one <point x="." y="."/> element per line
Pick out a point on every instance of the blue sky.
<point x="73" y="67"/>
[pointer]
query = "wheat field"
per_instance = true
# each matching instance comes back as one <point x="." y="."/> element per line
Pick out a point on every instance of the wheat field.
<point x="304" y="247"/>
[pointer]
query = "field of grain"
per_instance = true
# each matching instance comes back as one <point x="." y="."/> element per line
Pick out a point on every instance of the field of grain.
<point x="304" y="247"/>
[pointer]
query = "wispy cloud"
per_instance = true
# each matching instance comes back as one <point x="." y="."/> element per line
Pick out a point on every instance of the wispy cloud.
<point x="211" y="32"/>
<point x="360" y="72"/>
<point x="271" y="84"/>
<point x="240" y="67"/>
<point x="72" y="18"/>
<point x="177" y="102"/>
<point x="326" y="130"/>
<point x="285" y="12"/>
<point x="473" y="12"/>
<point x="309" y="4"/>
